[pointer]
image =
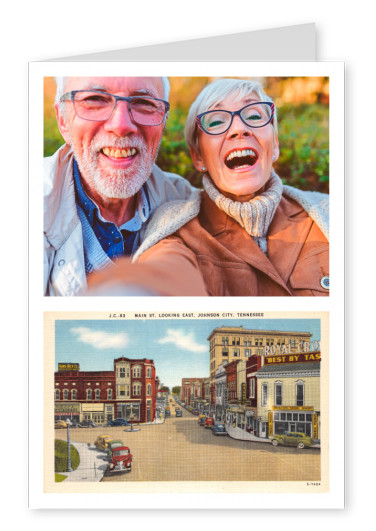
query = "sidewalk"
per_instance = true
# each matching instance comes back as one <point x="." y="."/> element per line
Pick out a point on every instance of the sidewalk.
<point x="93" y="464"/>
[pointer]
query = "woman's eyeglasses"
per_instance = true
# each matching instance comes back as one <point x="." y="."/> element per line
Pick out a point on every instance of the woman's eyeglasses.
<point x="98" y="106"/>
<point x="254" y="115"/>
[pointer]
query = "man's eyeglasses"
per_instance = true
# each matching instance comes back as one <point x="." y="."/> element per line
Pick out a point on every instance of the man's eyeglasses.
<point x="98" y="106"/>
<point x="253" y="115"/>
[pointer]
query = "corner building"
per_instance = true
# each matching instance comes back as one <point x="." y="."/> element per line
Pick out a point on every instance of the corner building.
<point x="288" y="395"/>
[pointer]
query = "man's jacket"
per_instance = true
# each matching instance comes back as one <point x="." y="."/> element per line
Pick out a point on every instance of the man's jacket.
<point x="64" y="263"/>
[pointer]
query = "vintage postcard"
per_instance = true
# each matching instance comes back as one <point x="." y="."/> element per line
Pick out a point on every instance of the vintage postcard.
<point x="186" y="402"/>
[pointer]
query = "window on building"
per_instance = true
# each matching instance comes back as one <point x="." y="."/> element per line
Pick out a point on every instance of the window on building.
<point x="300" y="394"/>
<point x="224" y="351"/>
<point x="97" y="394"/>
<point x="252" y="388"/>
<point x="109" y="394"/>
<point x="148" y="389"/>
<point x="57" y="394"/>
<point x="293" y="342"/>
<point x="74" y="394"/>
<point x="264" y="395"/>
<point x="65" y="394"/>
<point x="122" y="372"/>
<point x="278" y="394"/>
<point x="236" y="352"/>
<point x="136" y="389"/>
<point x="136" y="372"/>
<point x="148" y="372"/>
<point x="88" y="394"/>
<point x="246" y="352"/>
<point x="238" y="340"/>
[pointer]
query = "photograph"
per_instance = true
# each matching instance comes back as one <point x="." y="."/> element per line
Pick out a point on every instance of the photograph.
<point x="186" y="186"/>
<point x="158" y="400"/>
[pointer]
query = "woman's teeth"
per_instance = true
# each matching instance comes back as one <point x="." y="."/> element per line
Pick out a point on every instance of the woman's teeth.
<point x="241" y="158"/>
<point x="241" y="153"/>
<point x="119" y="153"/>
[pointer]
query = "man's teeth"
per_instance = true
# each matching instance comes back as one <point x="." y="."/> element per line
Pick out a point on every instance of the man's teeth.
<point x="119" y="153"/>
<point x="241" y="153"/>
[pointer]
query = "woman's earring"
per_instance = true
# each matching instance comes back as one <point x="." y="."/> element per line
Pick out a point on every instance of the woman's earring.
<point x="203" y="168"/>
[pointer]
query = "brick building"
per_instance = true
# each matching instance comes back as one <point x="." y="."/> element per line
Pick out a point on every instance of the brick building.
<point x="129" y="391"/>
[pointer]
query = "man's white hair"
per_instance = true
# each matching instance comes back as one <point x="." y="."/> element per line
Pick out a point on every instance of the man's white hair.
<point x="216" y="92"/>
<point x="60" y="84"/>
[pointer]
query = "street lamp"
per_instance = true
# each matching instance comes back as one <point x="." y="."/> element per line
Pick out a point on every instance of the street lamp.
<point x="69" y="468"/>
<point x="132" y="416"/>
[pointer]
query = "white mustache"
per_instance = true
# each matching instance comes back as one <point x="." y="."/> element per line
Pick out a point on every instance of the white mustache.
<point x="102" y="141"/>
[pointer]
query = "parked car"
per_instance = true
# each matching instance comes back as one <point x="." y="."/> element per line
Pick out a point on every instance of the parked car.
<point x="292" y="438"/>
<point x="75" y="424"/>
<point x="118" y="422"/>
<point x="219" y="429"/>
<point x="195" y="412"/>
<point x="121" y="460"/>
<point x="209" y="422"/>
<point x="112" y="445"/>
<point x="102" y="442"/>
<point x="88" y="424"/>
<point x="178" y="413"/>
<point x="60" y="424"/>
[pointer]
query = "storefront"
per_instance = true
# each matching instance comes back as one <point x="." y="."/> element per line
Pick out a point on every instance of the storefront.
<point x="299" y="419"/>
<point x="65" y="411"/>
<point x="129" y="411"/>
<point x="95" y="412"/>
<point x="250" y="420"/>
<point x="235" y="415"/>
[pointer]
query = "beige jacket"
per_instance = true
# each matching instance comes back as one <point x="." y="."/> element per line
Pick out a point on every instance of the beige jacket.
<point x="64" y="266"/>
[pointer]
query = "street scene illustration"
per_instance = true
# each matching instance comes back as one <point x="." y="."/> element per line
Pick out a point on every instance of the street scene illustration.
<point x="187" y="400"/>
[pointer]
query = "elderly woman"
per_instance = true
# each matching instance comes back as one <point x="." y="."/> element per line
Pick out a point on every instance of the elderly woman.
<point x="247" y="233"/>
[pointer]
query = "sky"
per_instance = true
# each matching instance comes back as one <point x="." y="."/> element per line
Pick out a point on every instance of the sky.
<point x="179" y="347"/>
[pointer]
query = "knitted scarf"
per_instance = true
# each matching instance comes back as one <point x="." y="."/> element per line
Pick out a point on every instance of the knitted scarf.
<point x="255" y="215"/>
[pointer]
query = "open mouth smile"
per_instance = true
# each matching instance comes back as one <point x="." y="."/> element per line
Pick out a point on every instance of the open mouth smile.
<point x="241" y="158"/>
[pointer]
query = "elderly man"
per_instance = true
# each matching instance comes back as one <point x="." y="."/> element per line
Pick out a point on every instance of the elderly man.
<point x="102" y="186"/>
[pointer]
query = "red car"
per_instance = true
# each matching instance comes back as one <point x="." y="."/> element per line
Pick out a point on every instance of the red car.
<point x="209" y="422"/>
<point x="121" y="460"/>
<point x="195" y="412"/>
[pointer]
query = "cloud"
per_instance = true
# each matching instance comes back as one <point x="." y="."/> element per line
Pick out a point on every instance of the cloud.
<point x="100" y="339"/>
<point x="183" y="340"/>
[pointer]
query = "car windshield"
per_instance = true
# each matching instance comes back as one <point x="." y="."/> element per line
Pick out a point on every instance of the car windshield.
<point x="121" y="452"/>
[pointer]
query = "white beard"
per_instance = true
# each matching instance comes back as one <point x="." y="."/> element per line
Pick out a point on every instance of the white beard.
<point x="114" y="183"/>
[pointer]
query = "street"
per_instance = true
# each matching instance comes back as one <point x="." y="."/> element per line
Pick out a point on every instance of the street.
<point x="181" y="450"/>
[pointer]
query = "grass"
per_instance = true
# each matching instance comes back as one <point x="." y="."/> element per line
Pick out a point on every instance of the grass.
<point x="59" y="478"/>
<point x="61" y="456"/>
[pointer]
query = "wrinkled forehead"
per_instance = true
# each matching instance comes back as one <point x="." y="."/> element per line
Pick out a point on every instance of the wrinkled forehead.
<point x="126" y="86"/>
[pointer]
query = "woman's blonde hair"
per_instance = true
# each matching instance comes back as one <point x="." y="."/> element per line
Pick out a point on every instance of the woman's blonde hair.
<point x="216" y="92"/>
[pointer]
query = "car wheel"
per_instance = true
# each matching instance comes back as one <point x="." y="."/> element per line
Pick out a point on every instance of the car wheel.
<point x="274" y="442"/>
<point x="301" y="445"/>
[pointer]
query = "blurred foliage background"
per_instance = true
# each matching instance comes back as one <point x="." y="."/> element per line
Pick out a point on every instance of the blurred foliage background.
<point x="303" y="124"/>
